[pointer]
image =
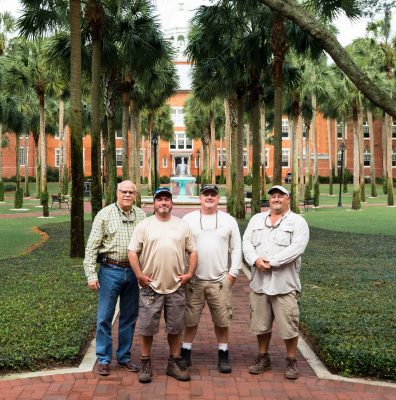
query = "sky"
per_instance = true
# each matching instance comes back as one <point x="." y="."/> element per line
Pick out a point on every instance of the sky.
<point x="347" y="30"/>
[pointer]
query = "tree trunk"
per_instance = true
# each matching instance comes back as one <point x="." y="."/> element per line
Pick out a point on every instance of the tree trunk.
<point x="294" y="133"/>
<point x="292" y="10"/>
<point x="315" y="140"/>
<point x="233" y="143"/>
<point x="278" y="43"/>
<point x="125" y="117"/>
<point x="134" y="159"/>
<point x="307" y="191"/>
<point x="25" y="150"/>
<point x="38" y="166"/>
<point x="43" y="155"/>
<point x="384" y="155"/>
<point x="301" y="151"/>
<point x="77" y="248"/>
<point x="227" y="129"/>
<point x="1" y="164"/>
<point x="389" y="173"/>
<point x="254" y="125"/>
<point x="212" y="147"/>
<point x="361" y="156"/>
<point x="263" y="155"/>
<point x="335" y="148"/>
<point x="96" y="185"/>
<point x="372" y="154"/>
<point x="248" y="134"/>
<point x="65" y="155"/>
<point x="61" y="119"/>
<point x="18" y="202"/>
<point x="328" y="126"/>
<point x="356" y="204"/>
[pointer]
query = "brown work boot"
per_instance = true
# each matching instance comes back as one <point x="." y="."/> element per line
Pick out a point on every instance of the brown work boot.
<point x="291" y="369"/>
<point x="104" y="369"/>
<point x="145" y="373"/>
<point x="261" y="364"/>
<point x="177" y="370"/>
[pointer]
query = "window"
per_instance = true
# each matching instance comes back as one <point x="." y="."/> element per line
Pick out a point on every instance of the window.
<point x="393" y="130"/>
<point x="164" y="162"/>
<point x="245" y="160"/>
<point x="339" y="130"/>
<point x="304" y="131"/>
<point x="118" y="134"/>
<point x="141" y="158"/>
<point x="177" y="116"/>
<point x="119" y="157"/>
<point x="394" y="158"/>
<point x="366" y="133"/>
<point x="285" y="129"/>
<point x="57" y="158"/>
<point x="57" y="135"/>
<point x="285" y="158"/>
<point x="22" y="135"/>
<point x="339" y="157"/>
<point x="23" y="153"/>
<point x="181" y="142"/>
<point x="366" y="158"/>
<point x="219" y="158"/>
<point x="266" y="159"/>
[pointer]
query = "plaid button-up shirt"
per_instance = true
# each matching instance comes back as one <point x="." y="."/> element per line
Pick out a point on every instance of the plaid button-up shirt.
<point x="110" y="235"/>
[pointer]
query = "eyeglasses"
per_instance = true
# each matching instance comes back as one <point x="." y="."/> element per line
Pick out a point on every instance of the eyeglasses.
<point x="200" y="222"/>
<point x="273" y="226"/>
<point x="124" y="192"/>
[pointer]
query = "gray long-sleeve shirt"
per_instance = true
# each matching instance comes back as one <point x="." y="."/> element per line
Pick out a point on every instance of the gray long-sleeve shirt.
<point x="282" y="246"/>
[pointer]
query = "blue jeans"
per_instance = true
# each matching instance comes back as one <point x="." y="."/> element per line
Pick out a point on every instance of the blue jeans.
<point x="114" y="282"/>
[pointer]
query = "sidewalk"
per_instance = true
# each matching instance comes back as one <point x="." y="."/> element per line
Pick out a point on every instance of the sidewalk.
<point x="206" y="382"/>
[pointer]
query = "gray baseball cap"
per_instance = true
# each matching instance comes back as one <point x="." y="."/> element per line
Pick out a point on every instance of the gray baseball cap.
<point x="280" y="189"/>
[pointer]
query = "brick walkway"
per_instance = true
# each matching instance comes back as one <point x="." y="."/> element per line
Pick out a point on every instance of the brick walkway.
<point x="206" y="382"/>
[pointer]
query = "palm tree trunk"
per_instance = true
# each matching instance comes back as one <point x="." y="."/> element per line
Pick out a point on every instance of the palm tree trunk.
<point x="372" y="154"/>
<point x="263" y="155"/>
<point x="212" y="147"/>
<point x="301" y="151"/>
<point x="150" y="153"/>
<point x="279" y="48"/>
<point x="96" y="67"/>
<point x="61" y="118"/>
<point x="335" y="148"/>
<point x="328" y="126"/>
<point x="77" y="248"/>
<point x="239" y="205"/>
<point x="134" y="164"/>
<point x="1" y="163"/>
<point x="227" y="129"/>
<point x="307" y="191"/>
<point x="361" y="156"/>
<point x="254" y="125"/>
<point x="294" y="133"/>
<point x="315" y="140"/>
<point x="384" y="156"/>
<point x="65" y="155"/>
<point x="389" y="173"/>
<point x="25" y="151"/>
<point x="125" y="117"/>
<point x="248" y="134"/>
<point x="18" y="202"/>
<point x="356" y="204"/>
<point x="233" y="117"/>
<point x="38" y="166"/>
<point x="43" y="155"/>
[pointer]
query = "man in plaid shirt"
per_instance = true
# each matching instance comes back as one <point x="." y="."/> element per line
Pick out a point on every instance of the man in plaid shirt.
<point x="108" y="245"/>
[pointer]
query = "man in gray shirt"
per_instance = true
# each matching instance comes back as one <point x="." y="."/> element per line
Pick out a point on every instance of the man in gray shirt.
<point x="272" y="245"/>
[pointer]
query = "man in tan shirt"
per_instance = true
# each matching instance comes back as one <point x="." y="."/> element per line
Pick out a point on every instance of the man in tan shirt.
<point x="156" y="253"/>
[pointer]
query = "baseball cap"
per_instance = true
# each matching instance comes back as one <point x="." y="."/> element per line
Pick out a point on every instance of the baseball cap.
<point x="280" y="189"/>
<point x="162" y="191"/>
<point x="212" y="188"/>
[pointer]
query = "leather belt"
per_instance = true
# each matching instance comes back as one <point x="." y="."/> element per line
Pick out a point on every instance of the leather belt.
<point x="116" y="263"/>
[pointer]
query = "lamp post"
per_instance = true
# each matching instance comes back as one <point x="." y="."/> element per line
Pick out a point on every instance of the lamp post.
<point x="342" y="148"/>
<point x="198" y="177"/>
<point x="154" y="142"/>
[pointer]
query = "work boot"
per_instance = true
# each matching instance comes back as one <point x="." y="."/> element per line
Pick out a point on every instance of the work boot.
<point x="224" y="365"/>
<point x="291" y="369"/>
<point x="262" y="363"/>
<point x="145" y="373"/>
<point x="185" y="357"/>
<point x="176" y="370"/>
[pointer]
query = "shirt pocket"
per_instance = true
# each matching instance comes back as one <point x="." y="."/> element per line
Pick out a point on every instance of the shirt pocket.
<point x="283" y="235"/>
<point x="257" y="237"/>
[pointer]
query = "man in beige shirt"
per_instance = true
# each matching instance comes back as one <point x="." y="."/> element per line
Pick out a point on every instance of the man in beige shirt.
<point x="156" y="253"/>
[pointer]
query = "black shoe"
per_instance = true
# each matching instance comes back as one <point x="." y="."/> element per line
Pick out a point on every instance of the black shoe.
<point x="224" y="364"/>
<point x="185" y="355"/>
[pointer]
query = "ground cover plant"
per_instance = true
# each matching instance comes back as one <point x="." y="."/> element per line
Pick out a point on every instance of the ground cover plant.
<point x="348" y="305"/>
<point x="47" y="315"/>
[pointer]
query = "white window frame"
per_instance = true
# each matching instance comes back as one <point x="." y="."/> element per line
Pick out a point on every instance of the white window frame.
<point x="224" y="158"/>
<point x="181" y="142"/>
<point x="141" y="158"/>
<point x="245" y="158"/>
<point x="119" y="158"/>
<point x="366" y="132"/>
<point x="165" y="162"/>
<point x="23" y="156"/>
<point x="118" y="134"/>
<point x="366" y="158"/>
<point x="394" y="130"/>
<point x="57" y="135"/>
<point x="286" y="152"/>
<point x="285" y="129"/>
<point x="393" y="158"/>
<point x="177" y="116"/>
<point x="339" y="130"/>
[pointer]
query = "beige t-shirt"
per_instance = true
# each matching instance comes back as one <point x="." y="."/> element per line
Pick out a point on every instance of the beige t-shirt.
<point x="161" y="246"/>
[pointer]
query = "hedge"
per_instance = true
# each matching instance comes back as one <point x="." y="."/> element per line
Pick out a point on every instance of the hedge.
<point x="47" y="314"/>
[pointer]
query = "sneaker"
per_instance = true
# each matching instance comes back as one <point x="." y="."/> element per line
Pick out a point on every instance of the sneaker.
<point x="129" y="365"/>
<point x="176" y="370"/>
<point x="104" y="369"/>
<point x="145" y="373"/>
<point x="224" y="365"/>
<point x="185" y="354"/>
<point x="291" y="369"/>
<point x="262" y="363"/>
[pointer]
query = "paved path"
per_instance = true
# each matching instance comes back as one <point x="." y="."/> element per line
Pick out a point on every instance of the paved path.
<point x="207" y="382"/>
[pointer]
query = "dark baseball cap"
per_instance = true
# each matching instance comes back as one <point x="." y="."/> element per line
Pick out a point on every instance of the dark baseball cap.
<point x="207" y="188"/>
<point x="164" y="191"/>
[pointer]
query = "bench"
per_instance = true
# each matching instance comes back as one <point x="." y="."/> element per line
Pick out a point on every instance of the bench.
<point x="59" y="199"/>
<point x="308" y="203"/>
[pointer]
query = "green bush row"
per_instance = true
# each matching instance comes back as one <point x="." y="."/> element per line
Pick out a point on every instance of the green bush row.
<point x="47" y="314"/>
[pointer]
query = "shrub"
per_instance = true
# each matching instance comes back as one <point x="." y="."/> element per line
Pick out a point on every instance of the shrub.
<point x="18" y="201"/>
<point x="52" y="174"/>
<point x="164" y="179"/>
<point x="248" y="180"/>
<point x="2" y="191"/>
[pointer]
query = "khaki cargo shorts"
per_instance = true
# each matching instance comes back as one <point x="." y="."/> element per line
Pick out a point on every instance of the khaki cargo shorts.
<point x="151" y="305"/>
<point x="283" y="308"/>
<point x="218" y="297"/>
